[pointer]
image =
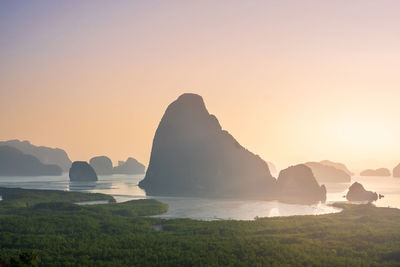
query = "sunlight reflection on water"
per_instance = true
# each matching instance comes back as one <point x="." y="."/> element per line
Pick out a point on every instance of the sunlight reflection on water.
<point x="125" y="187"/>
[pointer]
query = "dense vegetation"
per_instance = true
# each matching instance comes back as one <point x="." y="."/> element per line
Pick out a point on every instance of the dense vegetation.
<point x="17" y="197"/>
<point x="64" y="234"/>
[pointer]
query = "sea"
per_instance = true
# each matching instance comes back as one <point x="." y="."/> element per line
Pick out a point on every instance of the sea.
<point x="125" y="187"/>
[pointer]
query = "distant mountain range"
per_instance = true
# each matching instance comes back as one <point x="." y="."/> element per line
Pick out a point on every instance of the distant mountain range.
<point x="46" y="155"/>
<point x="15" y="163"/>
<point x="58" y="159"/>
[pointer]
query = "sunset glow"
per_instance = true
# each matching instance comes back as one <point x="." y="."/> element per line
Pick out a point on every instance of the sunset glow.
<point x="293" y="81"/>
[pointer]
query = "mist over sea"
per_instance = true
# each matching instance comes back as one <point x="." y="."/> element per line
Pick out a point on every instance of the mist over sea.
<point x="125" y="187"/>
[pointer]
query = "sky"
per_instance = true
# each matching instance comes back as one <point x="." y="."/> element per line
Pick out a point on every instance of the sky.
<point x="292" y="81"/>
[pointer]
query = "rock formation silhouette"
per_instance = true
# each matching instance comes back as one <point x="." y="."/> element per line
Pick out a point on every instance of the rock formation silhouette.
<point x="46" y="155"/>
<point x="82" y="171"/>
<point x="130" y="166"/>
<point x="377" y="172"/>
<point x="102" y="165"/>
<point x="337" y="165"/>
<point x="297" y="184"/>
<point x="15" y="163"/>
<point x="396" y="171"/>
<point x="328" y="174"/>
<point x="358" y="193"/>
<point x="193" y="156"/>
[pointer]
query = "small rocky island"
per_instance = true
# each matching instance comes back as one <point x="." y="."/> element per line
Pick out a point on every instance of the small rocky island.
<point x="102" y="165"/>
<point x="328" y="174"/>
<point x="377" y="172"/>
<point x="297" y="184"/>
<point x="337" y="165"/>
<point x="15" y="163"/>
<point x="46" y="155"/>
<point x="396" y="171"/>
<point x="130" y="166"/>
<point x="82" y="171"/>
<point x="358" y="193"/>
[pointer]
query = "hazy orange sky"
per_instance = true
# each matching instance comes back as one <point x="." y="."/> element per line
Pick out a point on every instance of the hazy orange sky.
<point x="292" y="81"/>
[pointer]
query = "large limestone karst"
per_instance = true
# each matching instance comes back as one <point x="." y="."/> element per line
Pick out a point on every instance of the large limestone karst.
<point x="297" y="184"/>
<point x="46" y="155"/>
<point x="193" y="156"/>
<point x="396" y="171"/>
<point x="377" y="172"/>
<point x="82" y="171"/>
<point x="337" y="165"/>
<point x="130" y="166"/>
<point x="358" y="193"/>
<point x="328" y="174"/>
<point x="102" y="165"/>
<point x="15" y="163"/>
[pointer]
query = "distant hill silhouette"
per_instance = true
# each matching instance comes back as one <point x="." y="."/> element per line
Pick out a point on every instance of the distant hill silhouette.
<point x="46" y="155"/>
<point x="337" y="165"/>
<point x="297" y="184"/>
<point x="377" y="172"/>
<point x="271" y="167"/>
<point x="102" y="165"/>
<point x="328" y="174"/>
<point x="193" y="156"/>
<point x="358" y="193"/>
<point x="396" y="171"/>
<point x="130" y="166"/>
<point x="15" y="163"/>
<point x="82" y="171"/>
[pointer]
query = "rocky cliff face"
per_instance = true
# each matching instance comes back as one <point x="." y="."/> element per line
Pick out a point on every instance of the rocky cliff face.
<point x="46" y="155"/>
<point x="192" y="155"/>
<point x="358" y="193"/>
<point x="82" y="171"/>
<point x="297" y="184"/>
<point x="15" y="163"/>
<point x="102" y="165"/>
<point x="328" y="174"/>
<point x="377" y="172"/>
<point x="396" y="171"/>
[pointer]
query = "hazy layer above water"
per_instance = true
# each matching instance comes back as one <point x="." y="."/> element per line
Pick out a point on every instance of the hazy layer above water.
<point x="124" y="187"/>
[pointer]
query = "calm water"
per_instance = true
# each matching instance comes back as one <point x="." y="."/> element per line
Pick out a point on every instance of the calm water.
<point x="124" y="187"/>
